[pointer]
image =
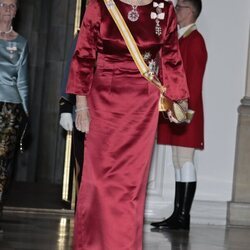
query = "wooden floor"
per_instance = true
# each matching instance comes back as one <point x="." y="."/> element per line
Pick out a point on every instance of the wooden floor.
<point x="36" y="231"/>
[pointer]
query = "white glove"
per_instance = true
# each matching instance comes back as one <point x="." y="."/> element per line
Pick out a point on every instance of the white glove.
<point x="66" y="121"/>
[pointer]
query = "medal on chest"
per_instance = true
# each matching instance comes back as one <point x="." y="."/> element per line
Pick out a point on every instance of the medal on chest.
<point x="133" y="15"/>
<point x="157" y="16"/>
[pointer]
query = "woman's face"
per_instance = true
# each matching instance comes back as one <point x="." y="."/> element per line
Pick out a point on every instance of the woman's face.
<point x="7" y="10"/>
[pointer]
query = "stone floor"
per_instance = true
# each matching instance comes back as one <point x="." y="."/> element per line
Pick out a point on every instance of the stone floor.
<point x="29" y="231"/>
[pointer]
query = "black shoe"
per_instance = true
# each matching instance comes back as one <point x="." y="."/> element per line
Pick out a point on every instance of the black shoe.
<point x="170" y="222"/>
<point x="174" y="222"/>
<point x="181" y="223"/>
<point x="159" y="224"/>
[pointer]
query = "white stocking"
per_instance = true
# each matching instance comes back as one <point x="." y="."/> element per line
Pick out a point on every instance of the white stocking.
<point x="183" y="162"/>
<point x="177" y="169"/>
<point x="188" y="172"/>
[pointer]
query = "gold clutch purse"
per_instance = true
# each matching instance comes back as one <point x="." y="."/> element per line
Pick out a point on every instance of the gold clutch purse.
<point x="165" y="104"/>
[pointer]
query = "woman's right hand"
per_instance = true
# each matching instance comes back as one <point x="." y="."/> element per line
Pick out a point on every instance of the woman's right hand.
<point x="82" y="114"/>
<point x="82" y="121"/>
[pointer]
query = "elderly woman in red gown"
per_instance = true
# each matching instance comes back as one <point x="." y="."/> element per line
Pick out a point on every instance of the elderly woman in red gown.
<point x="118" y="109"/>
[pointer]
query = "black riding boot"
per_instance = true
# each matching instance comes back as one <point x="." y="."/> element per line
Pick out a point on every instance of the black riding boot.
<point x="187" y="192"/>
<point x="170" y="220"/>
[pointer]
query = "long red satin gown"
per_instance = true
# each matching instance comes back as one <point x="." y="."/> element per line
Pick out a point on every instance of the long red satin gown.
<point x="123" y="108"/>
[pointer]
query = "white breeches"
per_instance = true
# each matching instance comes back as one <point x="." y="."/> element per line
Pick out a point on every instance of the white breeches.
<point x="183" y="160"/>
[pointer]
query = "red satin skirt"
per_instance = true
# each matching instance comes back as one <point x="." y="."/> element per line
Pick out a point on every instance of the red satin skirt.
<point x="124" y="113"/>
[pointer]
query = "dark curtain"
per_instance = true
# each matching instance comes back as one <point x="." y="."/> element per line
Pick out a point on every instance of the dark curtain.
<point x="48" y="25"/>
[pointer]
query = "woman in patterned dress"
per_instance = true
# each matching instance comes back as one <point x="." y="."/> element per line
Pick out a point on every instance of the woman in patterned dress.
<point x="13" y="88"/>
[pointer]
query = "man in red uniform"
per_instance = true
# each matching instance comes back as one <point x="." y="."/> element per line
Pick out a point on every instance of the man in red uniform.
<point x="185" y="138"/>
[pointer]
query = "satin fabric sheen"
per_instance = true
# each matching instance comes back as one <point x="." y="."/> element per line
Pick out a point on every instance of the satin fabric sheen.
<point x="14" y="71"/>
<point x="194" y="54"/>
<point x="124" y="114"/>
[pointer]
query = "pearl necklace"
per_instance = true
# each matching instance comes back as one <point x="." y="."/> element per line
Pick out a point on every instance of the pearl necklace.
<point x="2" y="33"/>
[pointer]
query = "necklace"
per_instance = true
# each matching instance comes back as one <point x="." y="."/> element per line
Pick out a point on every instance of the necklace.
<point x="133" y="15"/>
<point x="2" y="33"/>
